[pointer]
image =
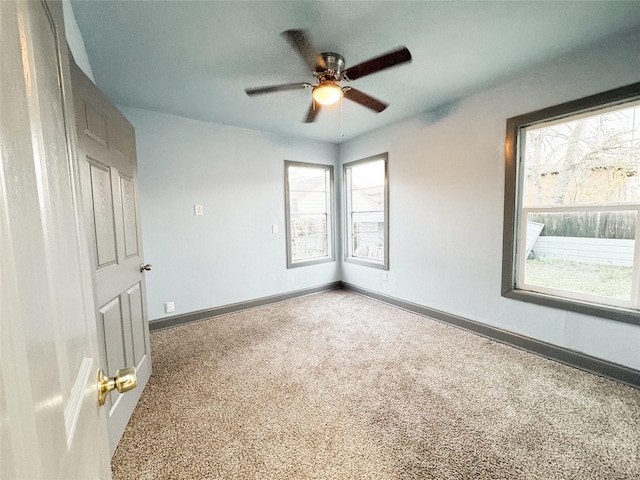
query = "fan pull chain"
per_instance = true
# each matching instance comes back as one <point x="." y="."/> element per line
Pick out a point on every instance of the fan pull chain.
<point x="341" y="119"/>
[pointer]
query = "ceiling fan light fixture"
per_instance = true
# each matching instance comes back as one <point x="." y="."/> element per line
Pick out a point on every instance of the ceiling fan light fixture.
<point x="327" y="94"/>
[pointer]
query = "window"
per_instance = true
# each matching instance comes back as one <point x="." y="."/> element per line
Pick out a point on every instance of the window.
<point x="309" y="211"/>
<point x="367" y="215"/>
<point x="572" y="206"/>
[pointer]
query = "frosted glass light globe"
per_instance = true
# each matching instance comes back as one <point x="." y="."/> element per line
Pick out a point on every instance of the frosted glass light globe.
<point x="327" y="94"/>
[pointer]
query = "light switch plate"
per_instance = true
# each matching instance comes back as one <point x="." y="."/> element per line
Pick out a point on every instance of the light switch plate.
<point x="198" y="210"/>
<point x="274" y="228"/>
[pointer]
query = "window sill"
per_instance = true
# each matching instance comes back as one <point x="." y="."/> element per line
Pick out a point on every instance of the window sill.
<point x="366" y="263"/>
<point x="626" y="315"/>
<point x="314" y="261"/>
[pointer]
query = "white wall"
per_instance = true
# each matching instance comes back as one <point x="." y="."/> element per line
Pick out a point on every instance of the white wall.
<point x="446" y="177"/>
<point x="229" y="254"/>
<point x="75" y="40"/>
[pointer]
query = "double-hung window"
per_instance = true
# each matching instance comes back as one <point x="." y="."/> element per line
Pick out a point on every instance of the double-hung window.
<point x="309" y="211"/>
<point x="367" y="212"/>
<point x="572" y="206"/>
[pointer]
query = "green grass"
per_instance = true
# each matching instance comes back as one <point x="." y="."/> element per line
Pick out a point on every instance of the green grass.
<point x="606" y="280"/>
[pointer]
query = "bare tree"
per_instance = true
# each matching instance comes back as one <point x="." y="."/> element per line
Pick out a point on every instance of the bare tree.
<point x="587" y="160"/>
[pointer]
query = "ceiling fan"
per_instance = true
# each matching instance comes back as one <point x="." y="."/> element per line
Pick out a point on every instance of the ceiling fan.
<point x="328" y="68"/>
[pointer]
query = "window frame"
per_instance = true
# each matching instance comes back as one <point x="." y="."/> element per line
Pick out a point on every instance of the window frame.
<point x="348" y="254"/>
<point x="330" y="200"/>
<point x="514" y="150"/>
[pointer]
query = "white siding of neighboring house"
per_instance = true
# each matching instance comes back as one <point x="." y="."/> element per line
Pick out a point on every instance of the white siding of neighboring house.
<point x="600" y="251"/>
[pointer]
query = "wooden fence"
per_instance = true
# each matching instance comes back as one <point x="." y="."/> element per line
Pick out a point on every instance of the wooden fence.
<point x="589" y="224"/>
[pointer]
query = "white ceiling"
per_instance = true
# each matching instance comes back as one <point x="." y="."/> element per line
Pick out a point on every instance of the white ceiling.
<point x="195" y="58"/>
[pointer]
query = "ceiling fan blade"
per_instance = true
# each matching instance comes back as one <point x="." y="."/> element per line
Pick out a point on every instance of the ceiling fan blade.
<point x="276" y="88"/>
<point x="388" y="60"/>
<point x="314" y="109"/>
<point x="364" y="99"/>
<point x="299" y="41"/>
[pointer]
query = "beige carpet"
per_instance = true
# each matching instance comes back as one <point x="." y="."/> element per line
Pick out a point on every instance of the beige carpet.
<point x="339" y="386"/>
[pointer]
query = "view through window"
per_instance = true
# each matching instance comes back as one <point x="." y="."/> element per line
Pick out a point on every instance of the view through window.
<point x="309" y="213"/>
<point x="580" y="206"/>
<point x="367" y="221"/>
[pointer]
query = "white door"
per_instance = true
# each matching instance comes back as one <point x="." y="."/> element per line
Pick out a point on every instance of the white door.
<point x="109" y="180"/>
<point x="51" y="424"/>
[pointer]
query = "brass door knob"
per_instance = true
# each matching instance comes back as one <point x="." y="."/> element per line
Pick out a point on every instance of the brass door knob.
<point x="124" y="381"/>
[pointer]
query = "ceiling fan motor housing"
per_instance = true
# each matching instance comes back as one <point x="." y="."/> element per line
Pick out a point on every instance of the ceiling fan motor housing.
<point x="333" y="66"/>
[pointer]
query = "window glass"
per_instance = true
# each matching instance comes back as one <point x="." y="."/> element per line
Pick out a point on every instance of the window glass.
<point x="367" y="224"/>
<point x="309" y="213"/>
<point x="592" y="159"/>
<point x="578" y="208"/>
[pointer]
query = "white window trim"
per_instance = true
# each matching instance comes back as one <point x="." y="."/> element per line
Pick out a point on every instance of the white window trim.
<point x="511" y="256"/>
<point x="330" y="257"/>
<point x="348" y="234"/>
